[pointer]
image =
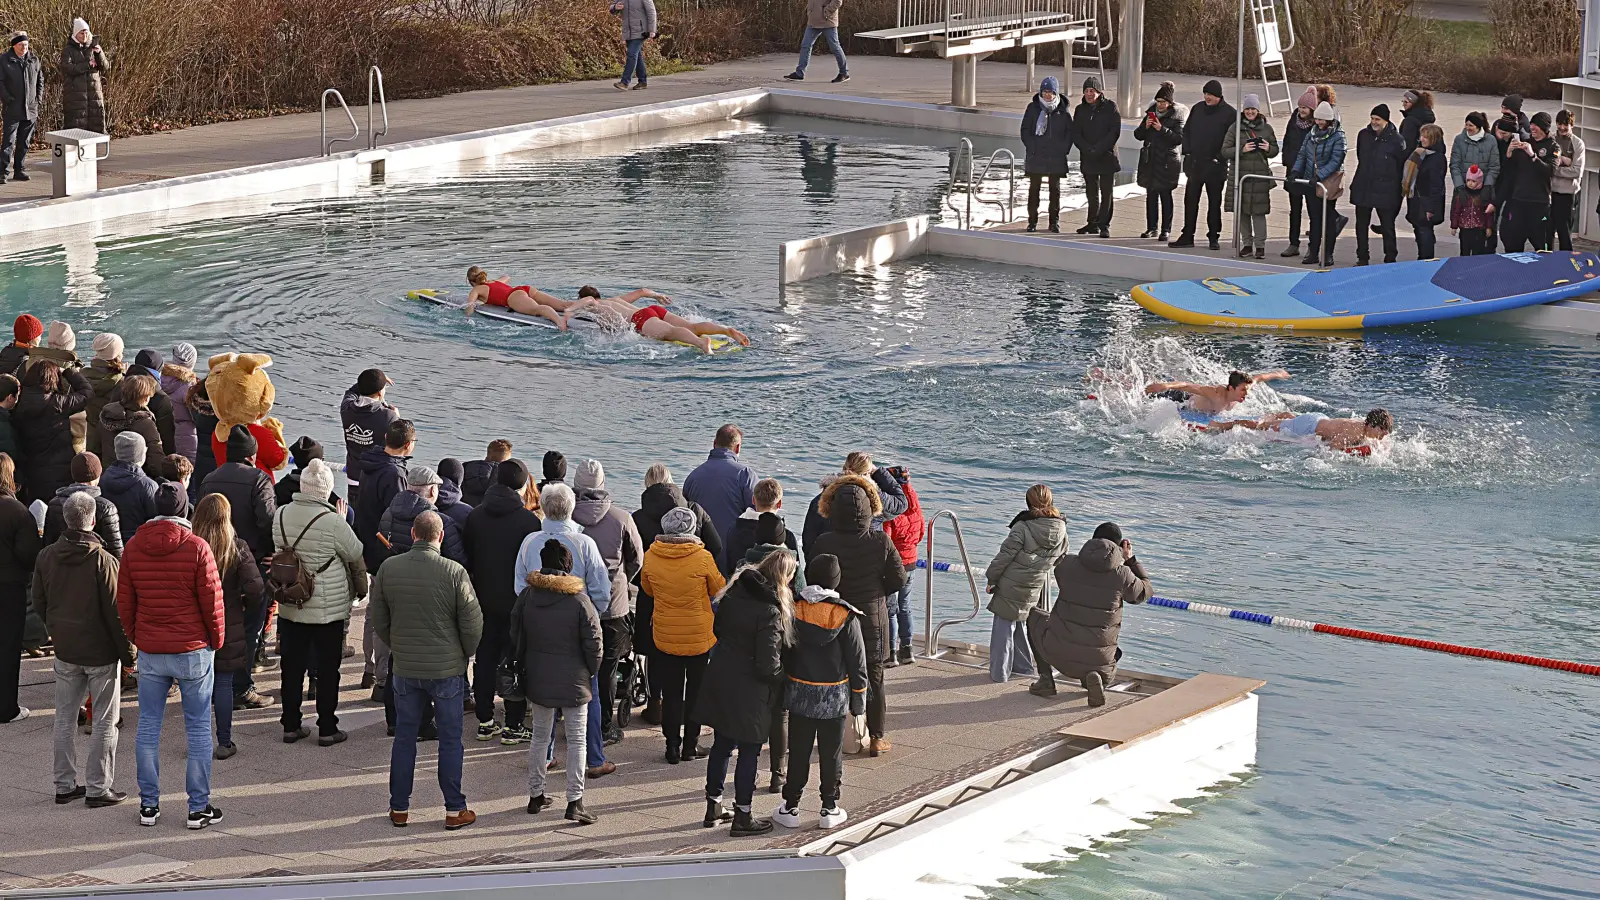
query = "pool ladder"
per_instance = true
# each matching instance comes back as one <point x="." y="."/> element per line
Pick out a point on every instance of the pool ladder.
<point x="374" y="91"/>
<point x="931" y="648"/>
<point x="973" y="183"/>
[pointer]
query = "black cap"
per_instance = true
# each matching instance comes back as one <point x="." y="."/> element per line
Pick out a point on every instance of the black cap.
<point x="770" y="530"/>
<point x="1109" y="531"/>
<point x="150" y="359"/>
<point x="241" y="444"/>
<point x="371" y="381"/>
<point x="1166" y="91"/>
<point x="1381" y="111"/>
<point x="1541" y="119"/>
<point x="513" y="473"/>
<point x="555" y="466"/>
<point x="303" y="450"/>
<point x="85" y="468"/>
<point x="170" y="500"/>
<point x="1213" y="87"/>
<point x="451" y="469"/>
<point x="823" y="571"/>
<point x="555" y="557"/>
<point x="1512" y="102"/>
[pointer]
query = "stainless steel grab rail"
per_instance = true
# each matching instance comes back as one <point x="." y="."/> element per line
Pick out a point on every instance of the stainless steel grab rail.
<point x="974" y="182"/>
<point x="1238" y="192"/>
<point x="376" y="74"/>
<point x="930" y="648"/>
<point x="963" y="151"/>
<point x="327" y="143"/>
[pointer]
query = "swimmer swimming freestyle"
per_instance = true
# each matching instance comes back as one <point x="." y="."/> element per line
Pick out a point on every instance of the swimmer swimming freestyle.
<point x="1213" y="399"/>
<point x="1340" y="434"/>
<point x="617" y="314"/>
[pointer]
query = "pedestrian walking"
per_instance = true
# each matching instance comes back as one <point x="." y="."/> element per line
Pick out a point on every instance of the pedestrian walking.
<point x="1047" y="139"/>
<point x="1096" y="127"/>
<point x="638" y="25"/>
<point x="170" y="601"/>
<point x="21" y="98"/>
<point x="83" y="67"/>
<point x="75" y="593"/>
<point x="1161" y="133"/>
<point x="822" y="20"/>
<point x="424" y="610"/>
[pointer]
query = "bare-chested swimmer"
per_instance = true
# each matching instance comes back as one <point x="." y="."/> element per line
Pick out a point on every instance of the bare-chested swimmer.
<point x="653" y="321"/>
<point x="1340" y="434"/>
<point x="1212" y="399"/>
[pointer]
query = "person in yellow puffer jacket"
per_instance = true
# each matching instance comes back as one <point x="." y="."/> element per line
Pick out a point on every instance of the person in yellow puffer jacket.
<point x="682" y="577"/>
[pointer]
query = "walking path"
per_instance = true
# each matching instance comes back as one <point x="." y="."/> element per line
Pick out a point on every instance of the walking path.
<point x="227" y="145"/>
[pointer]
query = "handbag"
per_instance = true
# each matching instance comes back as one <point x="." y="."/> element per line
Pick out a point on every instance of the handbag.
<point x="856" y="738"/>
<point x="1332" y="187"/>
<point x="508" y="680"/>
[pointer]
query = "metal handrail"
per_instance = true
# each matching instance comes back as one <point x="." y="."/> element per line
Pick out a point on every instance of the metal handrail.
<point x="1111" y="26"/>
<point x="376" y="73"/>
<point x="930" y="648"/>
<point x="1288" y="16"/>
<point x="1238" y="198"/>
<point x="965" y="153"/>
<point x="327" y="144"/>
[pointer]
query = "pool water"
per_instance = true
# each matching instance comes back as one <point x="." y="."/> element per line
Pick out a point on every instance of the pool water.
<point x="1383" y="772"/>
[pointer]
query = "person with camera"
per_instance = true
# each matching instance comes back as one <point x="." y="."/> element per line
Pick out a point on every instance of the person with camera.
<point x="1161" y="132"/>
<point x="83" y="65"/>
<point x="1079" y="635"/>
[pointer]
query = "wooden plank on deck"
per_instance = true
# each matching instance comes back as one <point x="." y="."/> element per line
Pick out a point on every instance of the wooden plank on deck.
<point x="1132" y="721"/>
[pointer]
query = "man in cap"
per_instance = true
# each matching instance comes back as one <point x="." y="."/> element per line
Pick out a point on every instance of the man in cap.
<point x="1096" y="127"/>
<point x="366" y="417"/>
<point x="494" y="534"/>
<point x="21" y="98"/>
<point x="1203" y="134"/>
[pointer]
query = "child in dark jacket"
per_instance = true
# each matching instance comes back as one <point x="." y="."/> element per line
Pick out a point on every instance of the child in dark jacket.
<point x="1469" y="216"/>
<point x="827" y="682"/>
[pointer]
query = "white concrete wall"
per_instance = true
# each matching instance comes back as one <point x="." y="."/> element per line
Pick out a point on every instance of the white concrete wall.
<point x="855" y="250"/>
<point x="894" y="112"/>
<point x="1087" y="257"/>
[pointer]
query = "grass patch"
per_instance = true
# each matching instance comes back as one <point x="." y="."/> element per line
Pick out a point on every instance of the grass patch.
<point x="1468" y="38"/>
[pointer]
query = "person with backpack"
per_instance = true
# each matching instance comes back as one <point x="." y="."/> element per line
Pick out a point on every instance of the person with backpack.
<point x="315" y="576"/>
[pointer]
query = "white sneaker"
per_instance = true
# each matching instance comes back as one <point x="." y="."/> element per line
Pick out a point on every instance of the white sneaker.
<point x="787" y="817"/>
<point x="833" y="818"/>
<point x="22" y="713"/>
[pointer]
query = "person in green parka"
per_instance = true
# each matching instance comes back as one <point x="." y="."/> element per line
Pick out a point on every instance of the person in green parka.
<point x="1259" y="145"/>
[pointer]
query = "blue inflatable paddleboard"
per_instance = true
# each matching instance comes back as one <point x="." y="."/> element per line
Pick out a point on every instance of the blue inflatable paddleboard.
<point x="1375" y="296"/>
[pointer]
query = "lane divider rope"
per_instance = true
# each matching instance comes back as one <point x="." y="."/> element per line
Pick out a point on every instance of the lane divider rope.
<point x="1212" y="609"/>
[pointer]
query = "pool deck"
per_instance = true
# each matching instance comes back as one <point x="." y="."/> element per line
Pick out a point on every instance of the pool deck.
<point x="308" y="810"/>
<point x="228" y="145"/>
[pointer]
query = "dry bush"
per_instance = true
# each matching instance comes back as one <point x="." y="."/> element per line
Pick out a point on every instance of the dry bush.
<point x="1540" y="28"/>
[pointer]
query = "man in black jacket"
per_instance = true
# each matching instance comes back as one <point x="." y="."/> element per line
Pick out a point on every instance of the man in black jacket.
<point x="1202" y="161"/>
<point x="494" y="534"/>
<point x="1380" y="163"/>
<point x="1528" y="205"/>
<point x="1096" y="127"/>
<point x="253" y="503"/>
<point x="478" y="474"/>
<point x="21" y="97"/>
<point x="365" y="416"/>
<point x="86" y="471"/>
<point x="383" y="477"/>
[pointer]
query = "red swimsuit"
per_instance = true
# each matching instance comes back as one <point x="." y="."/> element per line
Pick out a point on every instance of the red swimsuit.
<point x="500" y="293"/>
<point x="646" y="314"/>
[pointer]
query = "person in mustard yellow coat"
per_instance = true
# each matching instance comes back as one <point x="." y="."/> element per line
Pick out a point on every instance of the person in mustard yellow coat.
<point x="682" y="577"/>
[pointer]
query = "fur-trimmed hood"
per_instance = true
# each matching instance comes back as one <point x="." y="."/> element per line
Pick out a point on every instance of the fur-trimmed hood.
<point x="851" y="504"/>
<point x="556" y="584"/>
<point x="832" y="485"/>
<point x="182" y="373"/>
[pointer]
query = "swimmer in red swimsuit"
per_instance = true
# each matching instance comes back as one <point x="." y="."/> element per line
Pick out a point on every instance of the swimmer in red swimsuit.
<point x="653" y="321"/>
<point x="525" y="300"/>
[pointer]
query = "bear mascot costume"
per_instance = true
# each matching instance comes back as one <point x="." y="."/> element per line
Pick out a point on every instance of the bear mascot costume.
<point x="242" y="394"/>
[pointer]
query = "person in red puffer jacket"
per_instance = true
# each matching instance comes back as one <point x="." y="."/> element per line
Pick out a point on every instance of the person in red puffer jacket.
<point x="169" y="597"/>
<point x="906" y="531"/>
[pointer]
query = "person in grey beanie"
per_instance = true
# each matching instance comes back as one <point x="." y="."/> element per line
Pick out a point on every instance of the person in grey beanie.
<point x="127" y="486"/>
<point x="613" y="531"/>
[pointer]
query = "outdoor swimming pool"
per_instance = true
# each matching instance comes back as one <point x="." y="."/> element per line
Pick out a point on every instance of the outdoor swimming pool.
<point x="1384" y="771"/>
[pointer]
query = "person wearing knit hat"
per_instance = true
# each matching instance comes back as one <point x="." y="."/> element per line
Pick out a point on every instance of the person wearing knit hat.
<point x="170" y="502"/>
<point x="591" y="475"/>
<point x="61" y="337"/>
<point x="1294" y="136"/>
<point x="241" y="445"/>
<point x="316" y="478"/>
<point x="184" y="354"/>
<point x="617" y="537"/>
<point x="1469" y="215"/>
<point x="1320" y="159"/>
<point x="1161" y="133"/>
<point x="1096" y="128"/>
<point x="1511" y="107"/>
<point x="1255" y="143"/>
<point x="495" y="531"/>
<point x="250" y="494"/>
<point x="451" y="472"/>
<point x="23" y="77"/>
<point x="27" y="330"/>
<point x="126" y="484"/>
<point x="303" y="451"/>
<point x="1525" y="186"/>
<point x="85" y="471"/>
<point x="108" y="347"/>
<point x="60" y="347"/>
<point x="682" y="578"/>
<point x="1047" y="139"/>
<point x="1376" y="188"/>
<point x="83" y="64"/>
<point x="150" y="359"/>
<point x="555" y="469"/>
<point x="1203" y="163"/>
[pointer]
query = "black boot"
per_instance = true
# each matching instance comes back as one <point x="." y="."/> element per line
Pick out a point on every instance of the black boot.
<point x="775" y="783"/>
<point x="746" y="825"/>
<point x="576" y="813"/>
<point x="535" y="804"/>
<point x="672" y="753"/>
<point x="1033" y="225"/>
<point x="716" y="812"/>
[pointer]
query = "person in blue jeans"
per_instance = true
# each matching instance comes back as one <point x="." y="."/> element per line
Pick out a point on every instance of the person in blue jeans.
<point x="169" y="598"/>
<point x="423" y="608"/>
<point x="822" y="20"/>
<point x="638" y="26"/>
